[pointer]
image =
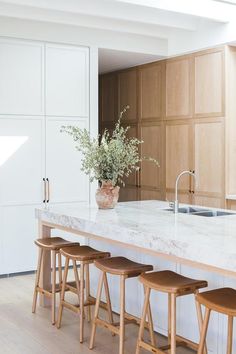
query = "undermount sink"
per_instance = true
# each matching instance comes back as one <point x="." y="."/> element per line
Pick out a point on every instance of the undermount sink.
<point x="202" y="212"/>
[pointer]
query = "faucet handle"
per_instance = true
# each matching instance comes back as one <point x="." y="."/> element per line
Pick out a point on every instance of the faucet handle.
<point x="172" y="205"/>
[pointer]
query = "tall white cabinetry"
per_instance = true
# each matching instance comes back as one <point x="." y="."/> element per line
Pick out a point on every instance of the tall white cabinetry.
<point x="42" y="87"/>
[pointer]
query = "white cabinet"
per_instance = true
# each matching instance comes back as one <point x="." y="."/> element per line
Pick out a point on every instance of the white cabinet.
<point x="21" y="77"/>
<point x="63" y="163"/>
<point x="21" y="160"/>
<point x="67" y="81"/>
<point x="35" y="79"/>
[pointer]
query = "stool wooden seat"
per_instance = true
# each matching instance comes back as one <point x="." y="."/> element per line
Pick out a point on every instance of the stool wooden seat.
<point x="174" y="285"/>
<point x="53" y="245"/>
<point x="223" y="301"/>
<point x="124" y="268"/>
<point x="85" y="255"/>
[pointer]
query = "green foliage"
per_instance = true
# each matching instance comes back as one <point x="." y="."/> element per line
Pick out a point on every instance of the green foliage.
<point x="110" y="156"/>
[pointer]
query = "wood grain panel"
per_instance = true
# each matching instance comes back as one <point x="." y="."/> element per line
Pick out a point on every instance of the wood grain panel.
<point x="108" y="98"/>
<point x="127" y="93"/>
<point x="209" y="84"/>
<point x="128" y="194"/>
<point x="209" y="157"/>
<point x="150" y="91"/>
<point x="150" y="173"/>
<point x="178" y="88"/>
<point x="178" y="153"/>
<point x="148" y="194"/>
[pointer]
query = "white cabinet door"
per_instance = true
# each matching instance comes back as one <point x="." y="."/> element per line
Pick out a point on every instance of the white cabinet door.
<point x="67" y="81"/>
<point x="21" y="77"/>
<point x="63" y="163"/>
<point x="21" y="160"/>
<point x="19" y="230"/>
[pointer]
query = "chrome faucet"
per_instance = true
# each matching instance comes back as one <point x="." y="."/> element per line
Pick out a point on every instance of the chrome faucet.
<point x="175" y="204"/>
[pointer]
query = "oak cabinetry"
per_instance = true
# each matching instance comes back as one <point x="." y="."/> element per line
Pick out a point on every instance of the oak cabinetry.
<point x="209" y="83"/>
<point x="178" y="95"/>
<point x="178" y="157"/>
<point x="150" y="91"/>
<point x="208" y="150"/>
<point x="127" y="93"/>
<point x="108" y="108"/>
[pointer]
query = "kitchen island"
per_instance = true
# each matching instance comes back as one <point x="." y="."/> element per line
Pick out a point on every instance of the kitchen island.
<point x="203" y="247"/>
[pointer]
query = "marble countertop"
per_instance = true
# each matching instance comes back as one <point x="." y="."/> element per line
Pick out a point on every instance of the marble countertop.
<point x="146" y="224"/>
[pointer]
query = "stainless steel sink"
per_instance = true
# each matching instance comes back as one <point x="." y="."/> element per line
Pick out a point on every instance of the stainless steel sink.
<point x="189" y="210"/>
<point x="202" y="212"/>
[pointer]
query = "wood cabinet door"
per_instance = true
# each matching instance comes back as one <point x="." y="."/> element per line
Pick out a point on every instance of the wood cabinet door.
<point x="209" y="161"/>
<point x="151" y="176"/>
<point x="127" y="93"/>
<point x="178" y="155"/>
<point x="150" y="91"/>
<point x="67" y="81"/>
<point x="128" y="194"/>
<point x="209" y="83"/>
<point x="108" y="98"/>
<point x="178" y="88"/>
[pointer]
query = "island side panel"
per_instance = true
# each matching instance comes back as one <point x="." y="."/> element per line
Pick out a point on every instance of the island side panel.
<point x="44" y="231"/>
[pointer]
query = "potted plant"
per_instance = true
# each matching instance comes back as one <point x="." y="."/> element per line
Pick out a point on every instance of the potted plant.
<point x="108" y="158"/>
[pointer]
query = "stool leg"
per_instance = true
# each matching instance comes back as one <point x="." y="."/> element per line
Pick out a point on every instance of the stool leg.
<point x="169" y="317"/>
<point x="122" y="314"/>
<point x="150" y="323"/>
<point x="81" y="303"/>
<point x="63" y="289"/>
<point x="230" y="335"/>
<point x="40" y="257"/>
<point x="200" y="319"/>
<point x="87" y="282"/>
<point x="173" y="324"/>
<point x="108" y="300"/>
<point x="143" y="319"/>
<point x="54" y="265"/>
<point x="76" y="279"/>
<point x="59" y="269"/>
<point x="99" y="292"/>
<point x="204" y="331"/>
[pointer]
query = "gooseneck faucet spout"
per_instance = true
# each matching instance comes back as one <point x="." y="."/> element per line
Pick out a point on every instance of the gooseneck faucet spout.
<point x="176" y="202"/>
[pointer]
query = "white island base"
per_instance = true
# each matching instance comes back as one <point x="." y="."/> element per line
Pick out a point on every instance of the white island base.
<point x="195" y="246"/>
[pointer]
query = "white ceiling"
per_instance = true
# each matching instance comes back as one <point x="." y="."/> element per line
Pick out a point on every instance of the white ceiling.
<point x="146" y="27"/>
<point x="111" y="60"/>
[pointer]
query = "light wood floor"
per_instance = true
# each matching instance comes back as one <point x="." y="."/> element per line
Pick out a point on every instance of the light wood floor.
<point x="21" y="332"/>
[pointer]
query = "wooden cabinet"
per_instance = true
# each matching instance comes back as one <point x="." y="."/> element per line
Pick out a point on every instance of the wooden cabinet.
<point x="178" y="88"/>
<point x="178" y="157"/>
<point x="196" y="145"/>
<point x="209" y="83"/>
<point x="150" y="91"/>
<point x="128" y="193"/>
<point x="151" y="174"/>
<point x="209" y="162"/>
<point x="108" y="103"/>
<point x="127" y="93"/>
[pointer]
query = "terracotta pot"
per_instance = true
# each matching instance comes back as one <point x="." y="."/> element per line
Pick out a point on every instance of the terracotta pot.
<point x="107" y="195"/>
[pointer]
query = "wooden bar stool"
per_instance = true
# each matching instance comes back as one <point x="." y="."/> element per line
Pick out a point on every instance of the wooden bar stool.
<point x="85" y="255"/>
<point x="223" y="301"/>
<point x="174" y="285"/>
<point x="53" y="245"/>
<point x="125" y="269"/>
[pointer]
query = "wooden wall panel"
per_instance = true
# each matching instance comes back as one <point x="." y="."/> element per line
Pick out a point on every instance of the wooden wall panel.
<point x="127" y="93"/>
<point x="150" y="91"/>
<point x="209" y="83"/>
<point x="108" y="98"/>
<point x="178" y="88"/>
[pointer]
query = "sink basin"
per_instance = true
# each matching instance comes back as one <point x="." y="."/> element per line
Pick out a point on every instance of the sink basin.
<point x="189" y="210"/>
<point x="202" y="212"/>
<point x="212" y="213"/>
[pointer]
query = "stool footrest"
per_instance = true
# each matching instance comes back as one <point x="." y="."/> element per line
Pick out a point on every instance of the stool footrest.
<point x="111" y="326"/>
<point x="151" y="348"/>
<point x="47" y="292"/>
<point x="186" y="342"/>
